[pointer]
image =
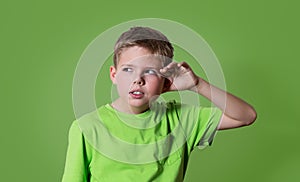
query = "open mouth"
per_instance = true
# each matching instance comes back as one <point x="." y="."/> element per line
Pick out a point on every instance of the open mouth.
<point x="136" y="94"/>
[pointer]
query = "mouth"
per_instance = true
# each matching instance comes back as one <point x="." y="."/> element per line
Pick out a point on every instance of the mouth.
<point x="137" y="94"/>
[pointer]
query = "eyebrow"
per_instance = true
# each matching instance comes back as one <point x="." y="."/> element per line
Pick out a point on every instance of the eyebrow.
<point x="130" y="65"/>
<point x="148" y="67"/>
<point x="152" y="68"/>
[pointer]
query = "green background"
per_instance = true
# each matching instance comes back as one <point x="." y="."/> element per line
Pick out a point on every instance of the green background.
<point x="256" y="42"/>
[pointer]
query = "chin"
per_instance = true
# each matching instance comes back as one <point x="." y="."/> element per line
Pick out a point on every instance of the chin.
<point x="139" y="106"/>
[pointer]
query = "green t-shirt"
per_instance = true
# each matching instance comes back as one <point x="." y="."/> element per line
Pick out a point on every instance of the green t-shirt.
<point x="107" y="145"/>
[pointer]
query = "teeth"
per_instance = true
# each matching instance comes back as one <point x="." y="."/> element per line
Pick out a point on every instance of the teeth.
<point x="137" y="92"/>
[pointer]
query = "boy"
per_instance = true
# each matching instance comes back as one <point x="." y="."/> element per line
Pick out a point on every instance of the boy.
<point x="136" y="138"/>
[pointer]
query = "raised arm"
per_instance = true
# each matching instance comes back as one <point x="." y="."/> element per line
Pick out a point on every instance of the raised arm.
<point x="236" y="112"/>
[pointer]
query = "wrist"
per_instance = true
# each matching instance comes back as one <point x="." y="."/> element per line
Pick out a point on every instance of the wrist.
<point x="199" y="83"/>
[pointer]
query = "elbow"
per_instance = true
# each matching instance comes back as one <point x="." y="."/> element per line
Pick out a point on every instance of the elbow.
<point x="252" y="117"/>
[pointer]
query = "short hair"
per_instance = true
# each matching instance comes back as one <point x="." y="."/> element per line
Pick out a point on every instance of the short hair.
<point x="153" y="40"/>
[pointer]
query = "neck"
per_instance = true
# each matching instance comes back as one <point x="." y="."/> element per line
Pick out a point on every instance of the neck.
<point x="125" y="108"/>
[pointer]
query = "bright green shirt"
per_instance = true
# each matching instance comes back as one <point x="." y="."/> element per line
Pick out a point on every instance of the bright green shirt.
<point x="107" y="145"/>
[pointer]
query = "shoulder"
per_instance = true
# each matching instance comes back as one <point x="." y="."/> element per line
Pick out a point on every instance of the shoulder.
<point x="89" y="120"/>
<point x="196" y="109"/>
<point x="183" y="110"/>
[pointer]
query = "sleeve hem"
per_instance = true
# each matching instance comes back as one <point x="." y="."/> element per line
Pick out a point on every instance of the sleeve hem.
<point x="211" y="129"/>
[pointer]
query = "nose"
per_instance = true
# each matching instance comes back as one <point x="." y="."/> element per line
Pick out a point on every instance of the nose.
<point x="139" y="80"/>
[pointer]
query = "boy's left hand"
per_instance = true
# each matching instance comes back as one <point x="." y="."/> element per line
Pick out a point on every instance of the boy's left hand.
<point x="180" y="75"/>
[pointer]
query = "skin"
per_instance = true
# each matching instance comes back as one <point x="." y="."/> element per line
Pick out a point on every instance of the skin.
<point x="133" y="73"/>
<point x="138" y="71"/>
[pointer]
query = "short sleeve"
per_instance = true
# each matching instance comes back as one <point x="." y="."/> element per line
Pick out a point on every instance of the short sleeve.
<point x="206" y="127"/>
<point x="76" y="166"/>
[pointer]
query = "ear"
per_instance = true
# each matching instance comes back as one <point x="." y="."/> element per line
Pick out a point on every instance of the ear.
<point x="167" y="85"/>
<point x="113" y="72"/>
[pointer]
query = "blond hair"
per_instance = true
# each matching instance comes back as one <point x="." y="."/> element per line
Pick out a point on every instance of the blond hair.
<point x="153" y="40"/>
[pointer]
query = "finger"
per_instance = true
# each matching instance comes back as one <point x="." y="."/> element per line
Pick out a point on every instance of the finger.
<point x="166" y="72"/>
<point x="172" y="65"/>
<point x="169" y="69"/>
<point x="184" y="64"/>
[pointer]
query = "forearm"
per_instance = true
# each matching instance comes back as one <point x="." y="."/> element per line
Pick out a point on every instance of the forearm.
<point x="231" y="105"/>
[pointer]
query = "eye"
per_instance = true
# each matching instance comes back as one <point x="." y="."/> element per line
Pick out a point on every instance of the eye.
<point x="151" y="72"/>
<point x="127" y="69"/>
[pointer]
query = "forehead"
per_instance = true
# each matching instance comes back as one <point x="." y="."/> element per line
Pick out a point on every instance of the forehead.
<point x="139" y="56"/>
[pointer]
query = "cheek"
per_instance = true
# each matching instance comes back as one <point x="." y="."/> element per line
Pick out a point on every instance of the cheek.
<point x="155" y="83"/>
<point x="122" y="83"/>
<point x="123" y="77"/>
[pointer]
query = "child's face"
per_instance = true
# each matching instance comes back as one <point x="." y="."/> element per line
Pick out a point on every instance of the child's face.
<point x="138" y="79"/>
